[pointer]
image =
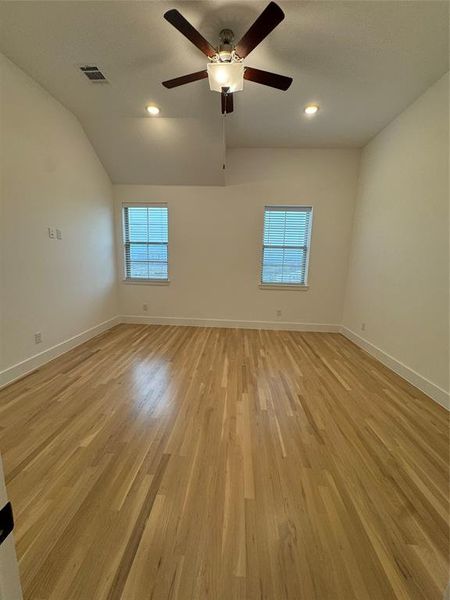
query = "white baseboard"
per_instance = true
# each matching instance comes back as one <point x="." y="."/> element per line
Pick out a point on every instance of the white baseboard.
<point x="279" y="325"/>
<point x="28" y="365"/>
<point x="429" y="388"/>
<point x="25" y="367"/>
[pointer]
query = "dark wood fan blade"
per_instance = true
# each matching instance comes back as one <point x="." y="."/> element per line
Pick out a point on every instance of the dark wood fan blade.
<point x="270" y="17"/>
<point x="176" y="19"/>
<point x="265" y="78"/>
<point x="171" y="83"/>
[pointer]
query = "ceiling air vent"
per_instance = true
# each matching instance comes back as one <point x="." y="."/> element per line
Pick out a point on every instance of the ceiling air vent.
<point x="93" y="73"/>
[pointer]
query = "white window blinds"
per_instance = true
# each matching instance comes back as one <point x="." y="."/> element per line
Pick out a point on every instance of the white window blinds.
<point x="287" y="231"/>
<point x="145" y="233"/>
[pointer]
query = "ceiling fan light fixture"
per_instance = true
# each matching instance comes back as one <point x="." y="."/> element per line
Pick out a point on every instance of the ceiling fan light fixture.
<point x="226" y="75"/>
<point x="225" y="71"/>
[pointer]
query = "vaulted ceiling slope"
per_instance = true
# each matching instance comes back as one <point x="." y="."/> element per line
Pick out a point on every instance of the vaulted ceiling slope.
<point x="362" y="61"/>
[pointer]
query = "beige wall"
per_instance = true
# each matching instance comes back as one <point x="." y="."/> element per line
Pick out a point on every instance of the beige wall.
<point x="50" y="176"/>
<point x="216" y="232"/>
<point x="398" y="281"/>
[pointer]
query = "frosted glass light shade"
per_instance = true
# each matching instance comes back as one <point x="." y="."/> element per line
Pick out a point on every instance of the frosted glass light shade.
<point x="229" y="75"/>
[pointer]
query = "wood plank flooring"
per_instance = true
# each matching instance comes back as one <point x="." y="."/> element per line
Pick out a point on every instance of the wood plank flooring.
<point x="178" y="463"/>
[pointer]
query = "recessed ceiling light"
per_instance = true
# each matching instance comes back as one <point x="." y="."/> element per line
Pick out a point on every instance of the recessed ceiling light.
<point x="152" y="110"/>
<point x="311" y="109"/>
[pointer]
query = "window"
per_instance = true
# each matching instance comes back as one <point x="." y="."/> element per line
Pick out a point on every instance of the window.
<point x="145" y="235"/>
<point x="287" y="232"/>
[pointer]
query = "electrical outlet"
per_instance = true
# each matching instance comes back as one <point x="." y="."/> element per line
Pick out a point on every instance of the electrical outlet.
<point x="58" y="234"/>
<point x="51" y="233"/>
<point x="145" y="307"/>
<point x="38" y="337"/>
<point x="279" y="313"/>
<point x="363" y="326"/>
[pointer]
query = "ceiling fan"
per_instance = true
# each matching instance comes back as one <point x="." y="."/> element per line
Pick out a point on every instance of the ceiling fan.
<point x="226" y="70"/>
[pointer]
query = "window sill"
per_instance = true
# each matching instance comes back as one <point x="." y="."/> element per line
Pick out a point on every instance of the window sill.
<point x="146" y="281"/>
<point x="285" y="286"/>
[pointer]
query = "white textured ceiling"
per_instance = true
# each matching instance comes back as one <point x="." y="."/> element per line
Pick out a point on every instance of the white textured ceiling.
<point x="363" y="62"/>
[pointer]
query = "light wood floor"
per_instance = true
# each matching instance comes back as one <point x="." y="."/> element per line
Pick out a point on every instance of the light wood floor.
<point x="216" y="464"/>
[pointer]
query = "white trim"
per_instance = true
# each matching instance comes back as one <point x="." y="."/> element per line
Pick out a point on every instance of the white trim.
<point x="429" y="388"/>
<point x="284" y="286"/>
<point x="194" y="322"/>
<point x="149" y="204"/>
<point x="131" y="281"/>
<point x="28" y="365"/>
<point x="288" y="207"/>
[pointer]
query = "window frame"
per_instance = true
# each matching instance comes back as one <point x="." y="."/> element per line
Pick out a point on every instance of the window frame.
<point x="279" y="285"/>
<point x="142" y="280"/>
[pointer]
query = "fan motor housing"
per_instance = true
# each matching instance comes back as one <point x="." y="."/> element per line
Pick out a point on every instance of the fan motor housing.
<point x="226" y="47"/>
